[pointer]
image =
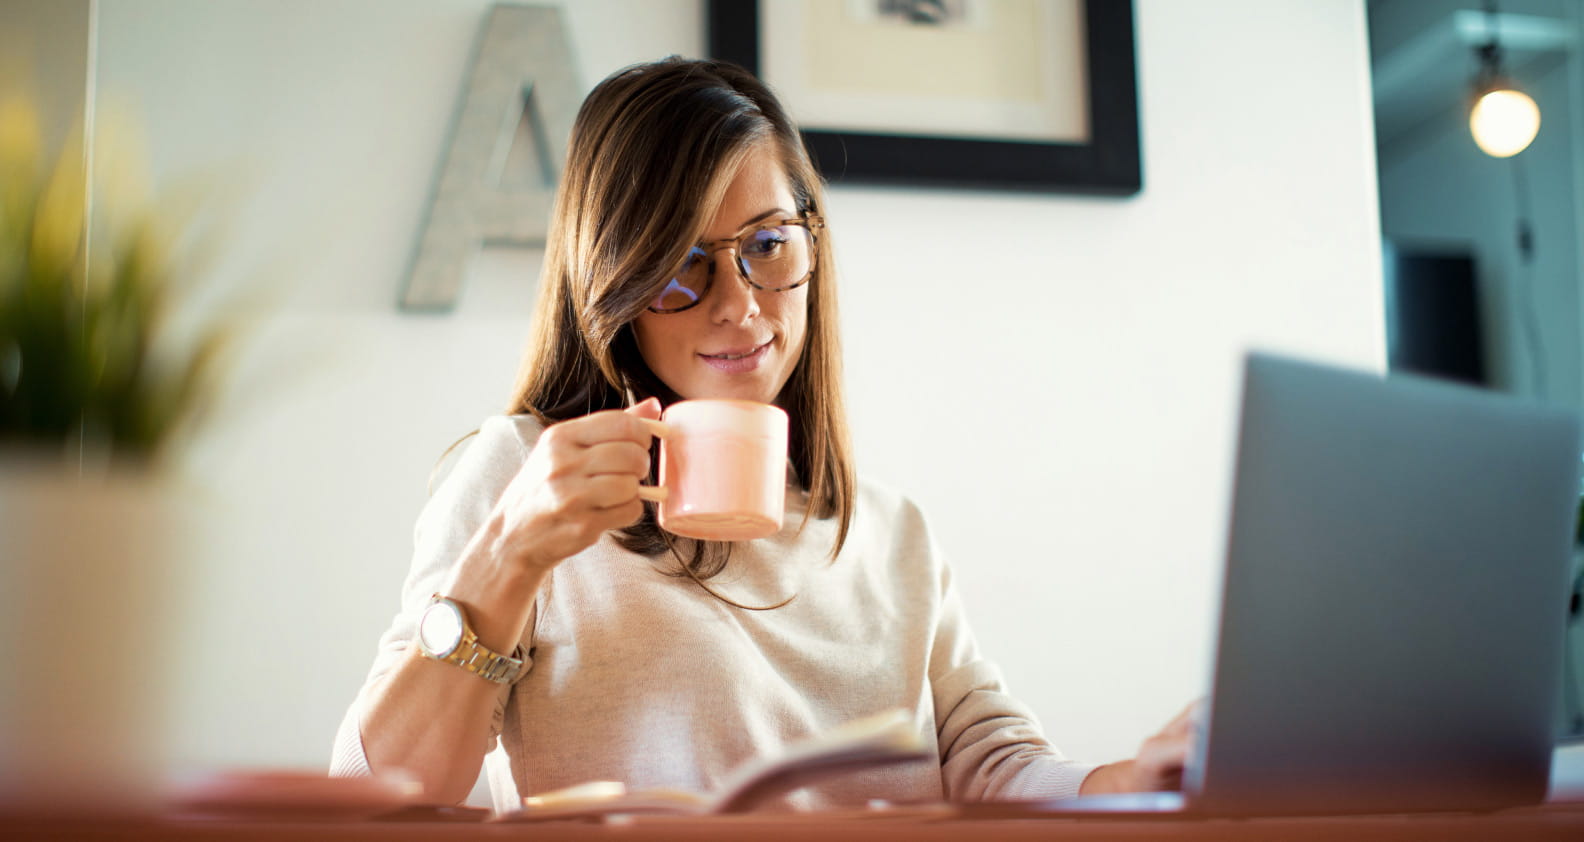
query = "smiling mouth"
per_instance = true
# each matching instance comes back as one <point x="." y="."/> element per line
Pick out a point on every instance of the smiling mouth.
<point x="736" y="355"/>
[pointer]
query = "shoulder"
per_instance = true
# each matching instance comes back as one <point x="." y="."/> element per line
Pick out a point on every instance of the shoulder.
<point x="886" y="514"/>
<point x="493" y="451"/>
<point x="501" y="435"/>
<point x="885" y="502"/>
<point x="503" y="430"/>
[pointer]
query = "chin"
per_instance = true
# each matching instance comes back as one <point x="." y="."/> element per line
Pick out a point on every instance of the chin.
<point x="744" y="392"/>
<point x="759" y="386"/>
<point x="714" y="387"/>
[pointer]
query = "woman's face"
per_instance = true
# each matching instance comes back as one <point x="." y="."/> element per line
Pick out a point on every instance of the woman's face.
<point x="738" y="341"/>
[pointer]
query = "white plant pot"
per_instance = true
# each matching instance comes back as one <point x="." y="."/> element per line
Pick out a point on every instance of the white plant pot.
<point x="89" y="573"/>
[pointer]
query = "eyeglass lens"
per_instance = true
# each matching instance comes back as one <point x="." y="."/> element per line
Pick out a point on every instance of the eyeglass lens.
<point x="772" y="258"/>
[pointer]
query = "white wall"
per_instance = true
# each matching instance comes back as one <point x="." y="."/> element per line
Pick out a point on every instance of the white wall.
<point x="55" y="76"/>
<point x="1068" y="426"/>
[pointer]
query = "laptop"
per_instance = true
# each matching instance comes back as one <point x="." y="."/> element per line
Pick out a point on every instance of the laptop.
<point x="1393" y="607"/>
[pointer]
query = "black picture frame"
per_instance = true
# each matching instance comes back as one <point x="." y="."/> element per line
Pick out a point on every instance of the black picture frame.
<point x="1109" y="164"/>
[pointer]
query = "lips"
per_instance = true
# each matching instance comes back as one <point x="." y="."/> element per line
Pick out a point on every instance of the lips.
<point x="740" y="360"/>
<point x="736" y="353"/>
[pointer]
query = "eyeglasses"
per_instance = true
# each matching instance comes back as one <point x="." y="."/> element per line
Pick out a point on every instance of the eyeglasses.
<point x="775" y="256"/>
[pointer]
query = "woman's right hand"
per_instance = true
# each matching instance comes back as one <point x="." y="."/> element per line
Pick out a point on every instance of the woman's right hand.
<point x="580" y="480"/>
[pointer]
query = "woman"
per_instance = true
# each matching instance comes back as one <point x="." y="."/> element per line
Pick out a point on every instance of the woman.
<point x="687" y="259"/>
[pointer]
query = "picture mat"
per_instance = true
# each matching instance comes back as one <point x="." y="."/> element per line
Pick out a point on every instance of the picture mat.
<point x="1010" y="70"/>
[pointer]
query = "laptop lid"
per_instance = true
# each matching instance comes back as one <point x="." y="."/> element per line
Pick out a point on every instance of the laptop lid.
<point x="1394" y="599"/>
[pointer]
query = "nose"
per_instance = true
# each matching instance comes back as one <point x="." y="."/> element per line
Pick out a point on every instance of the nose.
<point x="733" y="297"/>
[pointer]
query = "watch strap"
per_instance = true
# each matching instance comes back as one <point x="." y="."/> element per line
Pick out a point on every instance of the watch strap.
<point x="474" y="656"/>
<point x="485" y="662"/>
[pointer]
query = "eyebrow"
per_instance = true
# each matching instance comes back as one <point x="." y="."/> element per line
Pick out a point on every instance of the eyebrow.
<point x="776" y="211"/>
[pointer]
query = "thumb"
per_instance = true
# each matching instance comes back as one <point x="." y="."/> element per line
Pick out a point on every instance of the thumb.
<point x="649" y="409"/>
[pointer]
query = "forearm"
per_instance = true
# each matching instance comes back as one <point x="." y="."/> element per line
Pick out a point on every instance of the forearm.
<point x="433" y="719"/>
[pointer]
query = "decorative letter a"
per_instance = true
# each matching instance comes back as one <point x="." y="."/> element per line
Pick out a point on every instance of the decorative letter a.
<point x="521" y="76"/>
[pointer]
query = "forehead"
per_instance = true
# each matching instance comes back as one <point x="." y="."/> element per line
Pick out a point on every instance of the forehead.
<point x="757" y="185"/>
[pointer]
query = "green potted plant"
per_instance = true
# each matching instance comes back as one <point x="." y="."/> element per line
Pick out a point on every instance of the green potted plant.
<point x="96" y="394"/>
<point x="82" y="318"/>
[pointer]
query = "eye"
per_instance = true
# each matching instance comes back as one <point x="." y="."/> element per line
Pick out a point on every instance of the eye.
<point x="695" y="255"/>
<point x="766" y="242"/>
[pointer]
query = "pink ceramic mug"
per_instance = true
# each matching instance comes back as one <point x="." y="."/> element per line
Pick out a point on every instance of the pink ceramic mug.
<point x="722" y="469"/>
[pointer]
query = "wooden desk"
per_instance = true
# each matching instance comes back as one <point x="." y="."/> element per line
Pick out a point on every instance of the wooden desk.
<point x="1551" y="822"/>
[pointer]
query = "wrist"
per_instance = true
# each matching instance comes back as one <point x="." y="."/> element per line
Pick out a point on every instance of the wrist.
<point x="515" y="554"/>
<point x="1110" y="778"/>
<point x="497" y="590"/>
<point x="446" y="635"/>
<point x="497" y="553"/>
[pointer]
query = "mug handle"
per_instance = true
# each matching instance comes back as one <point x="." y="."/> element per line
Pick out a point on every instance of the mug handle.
<point x="654" y="493"/>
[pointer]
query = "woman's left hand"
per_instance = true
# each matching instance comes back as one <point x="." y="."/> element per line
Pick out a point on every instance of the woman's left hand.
<point x="1160" y="760"/>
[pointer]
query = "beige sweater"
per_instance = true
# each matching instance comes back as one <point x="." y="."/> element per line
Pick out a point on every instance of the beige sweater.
<point x="640" y="677"/>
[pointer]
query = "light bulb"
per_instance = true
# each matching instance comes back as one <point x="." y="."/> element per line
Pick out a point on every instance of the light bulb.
<point x="1504" y="122"/>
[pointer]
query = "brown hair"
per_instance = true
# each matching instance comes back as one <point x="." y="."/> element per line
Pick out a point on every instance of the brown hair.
<point x="649" y="159"/>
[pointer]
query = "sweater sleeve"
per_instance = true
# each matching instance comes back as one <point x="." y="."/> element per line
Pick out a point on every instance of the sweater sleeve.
<point x="445" y="525"/>
<point x="991" y="745"/>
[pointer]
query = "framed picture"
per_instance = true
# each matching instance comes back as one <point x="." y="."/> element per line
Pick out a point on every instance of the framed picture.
<point x="1005" y="94"/>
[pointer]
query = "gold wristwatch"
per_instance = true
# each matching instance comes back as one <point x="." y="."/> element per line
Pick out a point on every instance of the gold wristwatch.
<point x="444" y="635"/>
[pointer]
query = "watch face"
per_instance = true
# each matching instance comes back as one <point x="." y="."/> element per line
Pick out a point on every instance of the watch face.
<point x="440" y="629"/>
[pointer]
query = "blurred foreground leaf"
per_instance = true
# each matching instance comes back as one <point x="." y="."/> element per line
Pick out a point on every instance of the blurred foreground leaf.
<point x="86" y="351"/>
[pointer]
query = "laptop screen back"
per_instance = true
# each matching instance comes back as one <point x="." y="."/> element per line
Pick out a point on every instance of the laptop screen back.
<point x="1395" y="594"/>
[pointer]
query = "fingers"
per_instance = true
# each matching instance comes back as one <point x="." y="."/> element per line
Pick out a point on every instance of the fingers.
<point x="627" y="510"/>
<point x="596" y="504"/>
<point x="626" y="514"/>
<point x="601" y="427"/>
<point x="616" y="457"/>
<point x="1162" y="758"/>
<point x="580" y="480"/>
<point x="649" y="409"/>
<point x="1183" y="724"/>
<point x="595" y="462"/>
<point x="608" y="490"/>
<point x="614" y="494"/>
<point x="649" y="413"/>
<point x="1160" y="762"/>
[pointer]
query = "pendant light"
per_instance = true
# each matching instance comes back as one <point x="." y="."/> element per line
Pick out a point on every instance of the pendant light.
<point x="1503" y="119"/>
